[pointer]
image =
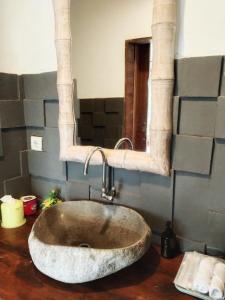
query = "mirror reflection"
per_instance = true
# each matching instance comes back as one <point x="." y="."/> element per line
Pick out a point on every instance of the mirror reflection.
<point x="111" y="63"/>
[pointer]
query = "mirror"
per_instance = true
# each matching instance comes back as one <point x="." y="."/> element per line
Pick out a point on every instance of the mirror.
<point x="110" y="62"/>
<point x="159" y="127"/>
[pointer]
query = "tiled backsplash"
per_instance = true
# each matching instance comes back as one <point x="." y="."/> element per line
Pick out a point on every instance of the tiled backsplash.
<point x="14" y="175"/>
<point x="194" y="196"/>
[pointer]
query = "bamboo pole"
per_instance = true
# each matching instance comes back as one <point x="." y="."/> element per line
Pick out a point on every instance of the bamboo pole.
<point x="162" y="80"/>
<point x="63" y="43"/>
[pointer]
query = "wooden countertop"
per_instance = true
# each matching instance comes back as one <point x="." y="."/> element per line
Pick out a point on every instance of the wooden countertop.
<point x="148" y="279"/>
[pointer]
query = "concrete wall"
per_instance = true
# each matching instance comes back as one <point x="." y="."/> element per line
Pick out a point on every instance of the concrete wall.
<point x="192" y="197"/>
<point x="27" y="36"/>
<point x="200" y="26"/>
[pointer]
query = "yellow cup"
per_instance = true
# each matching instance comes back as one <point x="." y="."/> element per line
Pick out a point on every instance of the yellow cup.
<point x="12" y="214"/>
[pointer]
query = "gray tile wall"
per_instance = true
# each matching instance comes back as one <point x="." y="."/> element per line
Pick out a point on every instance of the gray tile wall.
<point x="14" y="175"/>
<point x="193" y="197"/>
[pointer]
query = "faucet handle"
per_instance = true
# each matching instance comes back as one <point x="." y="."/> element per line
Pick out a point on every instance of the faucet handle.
<point x="113" y="191"/>
<point x="110" y="195"/>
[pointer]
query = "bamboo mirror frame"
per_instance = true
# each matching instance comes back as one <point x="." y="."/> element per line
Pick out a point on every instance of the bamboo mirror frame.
<point x="162" y="81"/>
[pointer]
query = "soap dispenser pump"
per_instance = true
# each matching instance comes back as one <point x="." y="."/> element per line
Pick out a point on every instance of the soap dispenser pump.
<point x="168" y="242"/>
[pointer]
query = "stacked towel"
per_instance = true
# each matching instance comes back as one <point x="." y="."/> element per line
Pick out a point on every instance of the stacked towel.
<point x="216" y="289"/>
<point x="204" y="275"/>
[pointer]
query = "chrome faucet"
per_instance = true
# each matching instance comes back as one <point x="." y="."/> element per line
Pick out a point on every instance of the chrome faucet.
<point x="122" y="141"/>
<point x="106" y="193"/>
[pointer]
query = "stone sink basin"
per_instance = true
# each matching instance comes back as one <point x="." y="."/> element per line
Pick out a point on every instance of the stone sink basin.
<point x="80" y="241"/>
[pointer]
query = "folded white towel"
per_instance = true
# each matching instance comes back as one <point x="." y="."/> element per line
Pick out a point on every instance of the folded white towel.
<point x="216" y="289"/>
<point x="204" y="275"/>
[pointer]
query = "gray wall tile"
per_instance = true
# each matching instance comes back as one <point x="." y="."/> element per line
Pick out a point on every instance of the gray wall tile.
<point x="94" y="176"/>
<point x="127" y="182"/>
<point x="77" y="190"/>
<point x="9" y="166"/>
<point x="11" y="114"/>
<point x="215" y="226"/>
<point x="17" y="186"/>
<point x="41" y="186"/>
<point x="34" y="113"/>
<point x="136" y="202"/>
<point x="14" y="140"/>
<point x="8" y="86"/>
<point x="75" y="171"/>
<point x="40" y="86"/>
<point x="51" y="141"/>
<point x="198" y="116"/>
<point x="44" y="164"/>
<point x="192" y="154"/>
<point x="51" y="113"/>
<point x="199" y="198"/>
<point x="192" y="199"/>
<point x="198" y="76"/>
<point x="156" y="189"/>
<point x="214" y="251"/>
<point x="190" y="245"/>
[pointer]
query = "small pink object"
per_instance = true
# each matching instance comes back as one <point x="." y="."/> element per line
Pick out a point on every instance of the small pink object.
<point x="29" y="205"/>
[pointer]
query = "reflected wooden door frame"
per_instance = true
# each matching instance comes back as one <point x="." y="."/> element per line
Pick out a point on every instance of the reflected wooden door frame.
<point x="137" y="60"/>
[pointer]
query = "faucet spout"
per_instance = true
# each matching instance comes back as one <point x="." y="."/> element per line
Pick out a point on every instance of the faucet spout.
<point x="104" y="162"/>
<point x="108" y="195"/>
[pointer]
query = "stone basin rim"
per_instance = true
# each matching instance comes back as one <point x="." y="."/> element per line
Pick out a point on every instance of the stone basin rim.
<point x="88" y="249"/>
<point x="73" y="264"/>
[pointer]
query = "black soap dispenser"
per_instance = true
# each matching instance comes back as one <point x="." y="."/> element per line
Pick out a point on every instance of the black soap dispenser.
<point x="168" y="242"/>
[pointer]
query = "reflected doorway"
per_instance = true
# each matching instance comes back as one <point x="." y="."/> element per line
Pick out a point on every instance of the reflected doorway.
<point x="137" y="61"/>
